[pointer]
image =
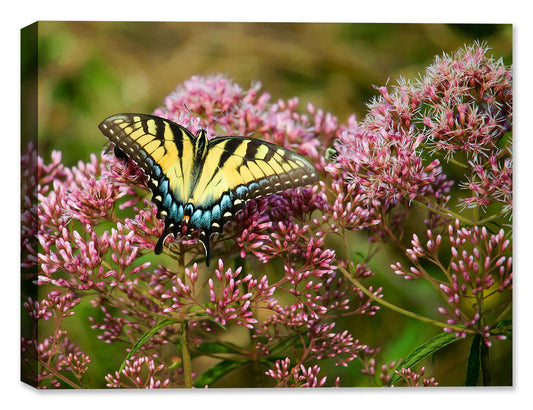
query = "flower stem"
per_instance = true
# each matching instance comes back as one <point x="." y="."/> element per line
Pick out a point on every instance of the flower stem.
<point x="445" y="212"/>
<point x="59" y="375"/>
<point x="397" y="308"/>
<point x="186" y="356"/>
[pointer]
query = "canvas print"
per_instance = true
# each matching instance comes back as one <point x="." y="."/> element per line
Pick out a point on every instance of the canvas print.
<point x="266" y="205"/>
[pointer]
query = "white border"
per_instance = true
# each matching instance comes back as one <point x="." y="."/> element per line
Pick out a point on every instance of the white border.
<point x="19" y="14"/>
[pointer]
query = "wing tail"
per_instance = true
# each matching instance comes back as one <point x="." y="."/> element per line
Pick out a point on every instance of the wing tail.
<point x="204" y="239"/>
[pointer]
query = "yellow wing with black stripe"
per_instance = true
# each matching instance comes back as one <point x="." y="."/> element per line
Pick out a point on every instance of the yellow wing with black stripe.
<point x="202" y="182"/>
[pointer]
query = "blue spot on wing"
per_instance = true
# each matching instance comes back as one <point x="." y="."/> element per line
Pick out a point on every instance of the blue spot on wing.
<point x="175" y="212"/>
<point x="216" y="213"/>
<point x="163" y="188"/>
<point x="206" y="219"/>
<point x="225" y="202"/>
<point x="243" y="190"/>
<point x="195" y="218"/>
<point x="150" y="164"/>
<point x="201" y="219"/>
<point x="168" y="201"/>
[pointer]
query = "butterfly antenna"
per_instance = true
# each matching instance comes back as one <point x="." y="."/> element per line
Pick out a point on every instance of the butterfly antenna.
<point x="189" y="111"/>
<point x="195" y="116"/>
<point x="215" y="119"/>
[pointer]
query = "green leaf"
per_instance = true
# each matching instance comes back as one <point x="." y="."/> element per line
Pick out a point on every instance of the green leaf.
<point x="507" y="139"/>
<point x="421" y="352"/>
<point x="507" y="331"/>
<point x="218" y="347"/>
<point x="474" y="362"/>
<point x="286" y="342"/>
<point x="144" y="338"/>
<point x="220" y="325"/>
<point x="218" y="371"/>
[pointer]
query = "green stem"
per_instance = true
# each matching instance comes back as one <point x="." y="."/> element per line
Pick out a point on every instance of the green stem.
<point x="445" y="212"/>
<point x="503" y="314"/>
<point x="59" y="375"/>
<point x="186" y="356"/>
<point x="484" y="351"/>
<point x="446" y="158"/>
<point x="396" y="308"/>
<point x="181" y="262"/>
<point x="490" y="218"/>
<point x="452" y="215"/>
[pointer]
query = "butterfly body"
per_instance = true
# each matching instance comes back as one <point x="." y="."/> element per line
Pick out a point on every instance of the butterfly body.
<point x="200" y="182"/>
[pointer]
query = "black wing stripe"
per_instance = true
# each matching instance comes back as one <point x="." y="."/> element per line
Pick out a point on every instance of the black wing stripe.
<point x="251" y="150"/>
<point x="144" y="125"/>
<point x="229" y="149"/>
<point x="270" y="153"/>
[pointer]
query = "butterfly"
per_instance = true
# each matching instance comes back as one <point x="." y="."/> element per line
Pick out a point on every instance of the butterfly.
<point x="200" y="182"/>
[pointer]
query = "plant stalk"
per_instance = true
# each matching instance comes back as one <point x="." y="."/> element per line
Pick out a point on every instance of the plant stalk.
<point x="186" y="356"/>
<point x="394" y="307"/>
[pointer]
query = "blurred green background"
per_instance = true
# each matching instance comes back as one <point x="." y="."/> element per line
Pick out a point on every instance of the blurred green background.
<point x="90" y="70"/>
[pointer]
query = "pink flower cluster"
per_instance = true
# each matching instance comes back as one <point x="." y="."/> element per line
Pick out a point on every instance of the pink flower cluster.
<point x="463" y="106"/>
<point x="139" y="374"/>
<point x="414" y="379"/>
<point x="54" y="358"/>
<point x="406" y="376"/>
<point x="297" y="376"/>
<point x="231" y="299"/>
<point x="478" y="269"/>
<point x="85" y="246"/>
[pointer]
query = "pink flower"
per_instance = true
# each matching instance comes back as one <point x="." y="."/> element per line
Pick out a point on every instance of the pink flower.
<point x="139" y="373"/>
